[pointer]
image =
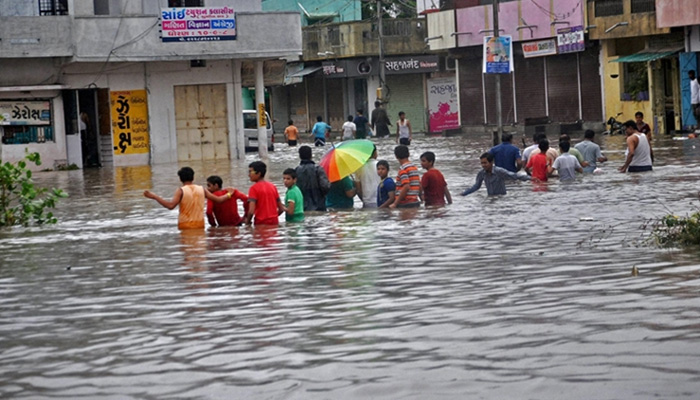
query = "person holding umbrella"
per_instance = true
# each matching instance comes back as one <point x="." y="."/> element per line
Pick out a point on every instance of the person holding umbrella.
<point x="340" y="162"/>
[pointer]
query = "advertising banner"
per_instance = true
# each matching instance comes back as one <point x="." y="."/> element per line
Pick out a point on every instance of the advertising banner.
<point x="129" y="121"/>
<point x="570" y="40"/>
<point x="198" y="24"/>
<point x="498" y="55"/>
<point x="443" y="104"/>
<point x="25" y="113"/>
<point x="540" y="48"/>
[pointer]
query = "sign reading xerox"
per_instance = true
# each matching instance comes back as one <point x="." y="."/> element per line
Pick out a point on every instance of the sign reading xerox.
<point x="198" y="24"/>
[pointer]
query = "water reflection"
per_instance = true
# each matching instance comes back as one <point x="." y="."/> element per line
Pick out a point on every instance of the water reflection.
<point x="527" y="295"/>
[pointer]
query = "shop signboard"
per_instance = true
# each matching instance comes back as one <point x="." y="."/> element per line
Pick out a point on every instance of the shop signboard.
<point x="571" y="39"/>
<point x="129" y="110"/>
<point x="411" y="65"/>
<point x="540" y="48"/>
<point x="25" y="113"/>
<point x="443" y="104"/>
<point x="498" y="55"/>
<point x="198" y="24"/>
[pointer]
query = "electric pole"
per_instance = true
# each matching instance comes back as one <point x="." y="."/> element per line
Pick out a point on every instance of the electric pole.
<point x="499" y="111"/>
<point x="382" y="77"/>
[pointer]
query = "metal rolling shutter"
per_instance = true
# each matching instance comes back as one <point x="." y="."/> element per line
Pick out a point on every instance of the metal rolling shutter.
<point x="530" y="88"/>
<point x="471" y="101"/>
<point x="591" y="100"/>
<point x="506" y="99"/>
<point x="407" y="96"/>
<point x="563" y="88"/>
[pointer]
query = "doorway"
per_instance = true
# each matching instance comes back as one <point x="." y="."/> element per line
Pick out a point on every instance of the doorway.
<point x="201" y="122"/>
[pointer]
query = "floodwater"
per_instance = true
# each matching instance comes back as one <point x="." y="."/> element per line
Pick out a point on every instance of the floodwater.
<point x="526" y="296"/>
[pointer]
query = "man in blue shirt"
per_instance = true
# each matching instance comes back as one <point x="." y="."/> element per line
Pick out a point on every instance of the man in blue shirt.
<point x="506" y="155"/>
<point x="319" y="132"/>
<point x="494" y="177"/>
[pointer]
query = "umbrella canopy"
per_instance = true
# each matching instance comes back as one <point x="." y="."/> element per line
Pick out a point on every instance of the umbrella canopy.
<point x="346" y="157"/>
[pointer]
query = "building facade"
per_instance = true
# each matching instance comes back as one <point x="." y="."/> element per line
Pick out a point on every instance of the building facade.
<point x="134" y="82"/>
<point x="556" y="73"/>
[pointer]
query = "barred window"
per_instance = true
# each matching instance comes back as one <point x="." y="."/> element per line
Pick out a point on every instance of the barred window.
<point x="640" y="6"/>
<point x="185" y="3"/>
<point x="53" y="7"/>
<point x="605" y="8"/>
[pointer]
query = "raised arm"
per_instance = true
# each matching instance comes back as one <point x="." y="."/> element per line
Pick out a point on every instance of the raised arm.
<point x="169" y="204"/>
<point x="477" y="184"/>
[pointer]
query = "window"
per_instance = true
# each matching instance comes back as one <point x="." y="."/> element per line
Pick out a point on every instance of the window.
<point x="334" y="35"/>
<point x="396" y="27"/>
<point x="26" y="121"/>
<point x="635" y="81"/>
<point x="605" y="8"/>
<point x="185" y="3"/>
<point x="53" y="7"/>
<point x="640" y="6"/>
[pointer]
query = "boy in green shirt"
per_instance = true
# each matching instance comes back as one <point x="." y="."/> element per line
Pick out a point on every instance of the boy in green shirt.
<point x="293" y="200"/>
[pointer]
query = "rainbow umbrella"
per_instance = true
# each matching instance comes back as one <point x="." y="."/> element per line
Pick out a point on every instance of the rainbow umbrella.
<point x="346" y="157"/>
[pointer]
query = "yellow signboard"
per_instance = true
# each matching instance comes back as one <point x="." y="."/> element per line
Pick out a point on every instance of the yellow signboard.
<point x="129" y="121"/>
<point x="262" y="120"/>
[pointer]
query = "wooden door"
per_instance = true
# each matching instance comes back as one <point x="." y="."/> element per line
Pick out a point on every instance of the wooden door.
<point x="201" y="122"/>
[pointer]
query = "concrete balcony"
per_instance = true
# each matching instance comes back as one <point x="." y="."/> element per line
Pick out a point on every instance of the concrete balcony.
<point x="137" y="38"/>
<point x="35" y="37"/>
<point x="361" y="39"/>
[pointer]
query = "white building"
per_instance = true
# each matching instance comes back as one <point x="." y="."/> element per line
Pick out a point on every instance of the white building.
<point x="105" y="67"/>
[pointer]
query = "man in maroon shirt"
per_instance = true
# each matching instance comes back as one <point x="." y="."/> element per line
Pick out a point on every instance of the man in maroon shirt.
<point x="226" y="213"/>
<point x="434" y="186"/>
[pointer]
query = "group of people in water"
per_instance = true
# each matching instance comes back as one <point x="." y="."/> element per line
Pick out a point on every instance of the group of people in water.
<point x="308" y="187"/>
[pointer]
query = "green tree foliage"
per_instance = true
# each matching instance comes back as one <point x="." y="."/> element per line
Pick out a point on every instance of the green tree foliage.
<point x="21" y="201"/>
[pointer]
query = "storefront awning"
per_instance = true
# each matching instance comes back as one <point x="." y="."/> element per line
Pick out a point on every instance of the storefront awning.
<point x="648" y="55"/>
<point x="304" y="72"/>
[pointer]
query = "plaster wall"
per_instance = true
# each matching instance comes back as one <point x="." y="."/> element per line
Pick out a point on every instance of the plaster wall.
<point x="16" y="8"/>
<point x="672" y="13"/>
<point x="613" y="87"/>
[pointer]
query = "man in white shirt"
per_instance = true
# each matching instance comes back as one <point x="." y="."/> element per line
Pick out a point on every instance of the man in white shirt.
<point x="694" y="96"/>
<point x="368" y="181"/>
<point x="349" y="129"/>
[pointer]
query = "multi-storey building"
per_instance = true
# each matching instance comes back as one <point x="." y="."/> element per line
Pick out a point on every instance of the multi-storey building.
<point x="133" y="82"/>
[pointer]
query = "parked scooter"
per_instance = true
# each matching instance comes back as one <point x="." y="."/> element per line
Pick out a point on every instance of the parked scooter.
<point x="614" y="126"/>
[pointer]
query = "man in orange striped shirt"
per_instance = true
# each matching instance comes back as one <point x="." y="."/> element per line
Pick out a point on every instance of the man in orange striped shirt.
<point x="408" y="189"/>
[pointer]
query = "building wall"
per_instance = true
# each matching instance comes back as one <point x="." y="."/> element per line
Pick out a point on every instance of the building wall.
<point x="15" y="8"/>
<point x="613" y="87"/>
<point x="670" y="13"/>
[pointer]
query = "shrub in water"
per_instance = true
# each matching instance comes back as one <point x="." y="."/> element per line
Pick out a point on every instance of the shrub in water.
<point x="21" y="202"/>
<point x="672" y="230"/>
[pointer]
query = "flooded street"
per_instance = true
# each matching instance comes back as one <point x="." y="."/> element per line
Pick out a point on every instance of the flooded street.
<point x="524" y="296"/>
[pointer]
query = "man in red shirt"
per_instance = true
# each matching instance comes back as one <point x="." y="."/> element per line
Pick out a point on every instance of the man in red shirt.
<point x="537" y="164"/>
<point x="263" y="199"/>
<point x="434" y="186"/>
<point x="224" y="214"/>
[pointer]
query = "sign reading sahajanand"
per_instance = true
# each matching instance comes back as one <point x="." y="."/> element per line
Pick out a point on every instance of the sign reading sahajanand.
<point x="198" y="24"/>
<point x="129" y="121"/>
<point x="25" y="113"/>
<point x="411" y="65"/>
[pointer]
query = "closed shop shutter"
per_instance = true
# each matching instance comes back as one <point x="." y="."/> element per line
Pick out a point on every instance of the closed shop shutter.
<point x="315" y="93"/>
<point x="201" y="122"/>
<point x="529" y="88"/>
<point x="562" y="79"/>
<point x="471" y="100"/>
<point x="334" y="89"/>
<point x="592" y="102"/>
<point x="506" y="99"/>
<point x="297" y="106"/>
<point x="407" y="95"/>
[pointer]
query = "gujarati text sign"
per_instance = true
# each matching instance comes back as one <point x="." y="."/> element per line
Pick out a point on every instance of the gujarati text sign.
<point x="443" y="104"/>
<point x="129" y="121"/>
<point x="25" y="113"/>
<point x="198" y="24"/>
<point x="571" y="40"/>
